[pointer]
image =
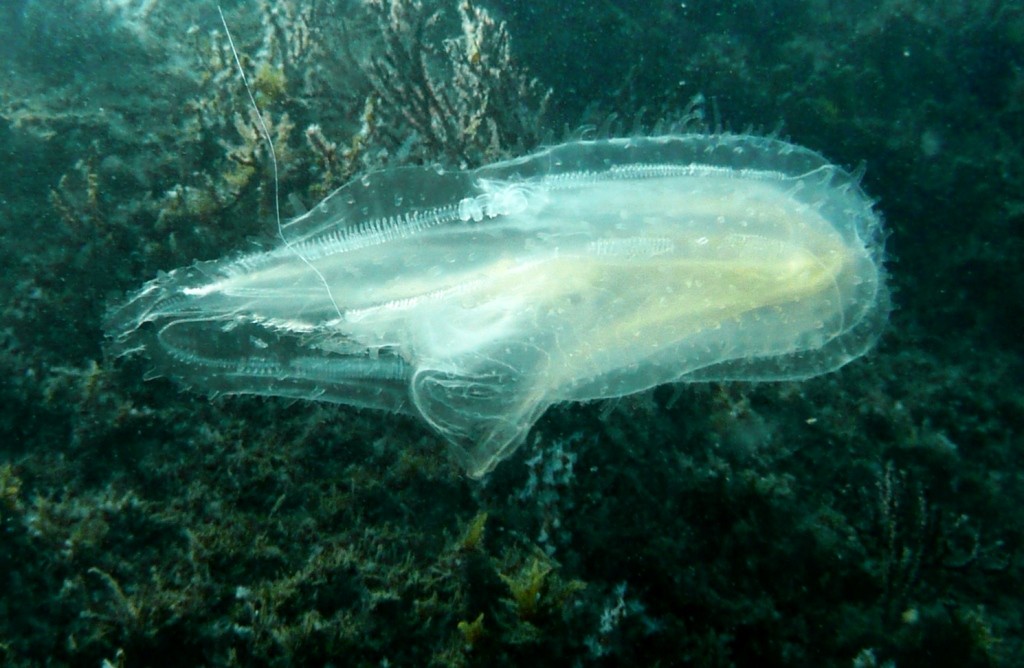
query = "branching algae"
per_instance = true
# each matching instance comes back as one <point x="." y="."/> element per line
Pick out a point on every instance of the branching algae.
<point x="592" y="269"/>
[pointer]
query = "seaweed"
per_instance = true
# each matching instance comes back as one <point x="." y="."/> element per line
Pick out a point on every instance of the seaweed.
<point x="867" y="518"/>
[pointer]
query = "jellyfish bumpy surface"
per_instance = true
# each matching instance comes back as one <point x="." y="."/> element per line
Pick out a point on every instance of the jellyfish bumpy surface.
<point x="591" y="269"/>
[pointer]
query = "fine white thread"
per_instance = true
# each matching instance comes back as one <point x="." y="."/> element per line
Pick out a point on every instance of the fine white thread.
<point x="273" y="161"/>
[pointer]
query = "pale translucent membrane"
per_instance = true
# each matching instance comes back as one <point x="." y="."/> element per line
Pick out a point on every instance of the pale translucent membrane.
<point x="587" y="270"/>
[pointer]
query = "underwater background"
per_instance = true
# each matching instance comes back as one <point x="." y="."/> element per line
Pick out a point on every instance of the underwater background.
<point x="870" y="517"/>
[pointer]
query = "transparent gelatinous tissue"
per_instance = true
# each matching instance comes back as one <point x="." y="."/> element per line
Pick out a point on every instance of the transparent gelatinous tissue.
<point x="476" y="299"/>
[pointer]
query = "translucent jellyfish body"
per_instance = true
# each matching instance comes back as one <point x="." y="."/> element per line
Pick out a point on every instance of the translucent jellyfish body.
<point x="592" y="269"/>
